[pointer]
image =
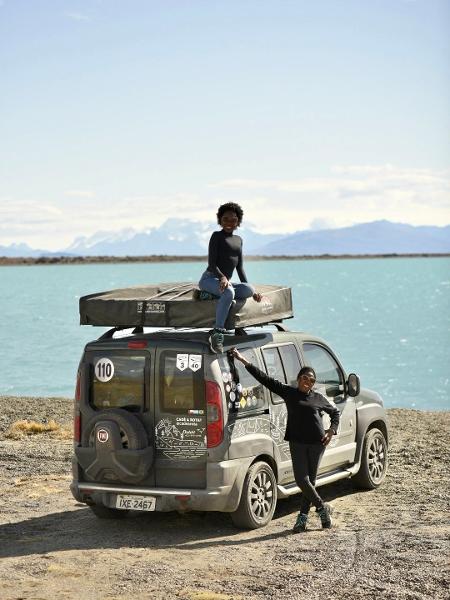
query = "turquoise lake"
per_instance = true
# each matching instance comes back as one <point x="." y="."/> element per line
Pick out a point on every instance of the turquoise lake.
<point x="387" y="319"/>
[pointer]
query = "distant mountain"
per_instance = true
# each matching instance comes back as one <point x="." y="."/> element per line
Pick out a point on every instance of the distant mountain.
<point x="174" y="237"/>
<point x="22" y="250"/>
<point x="180" y="237"/>
<point x="378" y="237"/>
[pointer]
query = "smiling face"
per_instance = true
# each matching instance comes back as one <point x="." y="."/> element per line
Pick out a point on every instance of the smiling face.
<point x="306" y="381"/>
<point x="229" y="221"/>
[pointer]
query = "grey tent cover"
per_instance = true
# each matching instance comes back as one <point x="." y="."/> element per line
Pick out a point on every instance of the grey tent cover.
<point x="174" y="305"/>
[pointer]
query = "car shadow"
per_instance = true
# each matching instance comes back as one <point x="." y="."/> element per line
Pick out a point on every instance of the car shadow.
<point x="79" y="529"/>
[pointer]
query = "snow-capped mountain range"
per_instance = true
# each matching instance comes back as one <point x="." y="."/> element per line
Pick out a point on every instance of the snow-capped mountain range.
<point x="181" y="237"/>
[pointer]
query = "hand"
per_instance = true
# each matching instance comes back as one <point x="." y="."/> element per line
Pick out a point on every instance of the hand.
<point x="327" y="437"/>
<point x="223" y="283"/>
<point x="257" y="297"/>
<point x="236" y="354"/>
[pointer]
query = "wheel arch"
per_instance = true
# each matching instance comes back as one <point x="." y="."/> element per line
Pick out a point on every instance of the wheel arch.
<point x="370" y="418"/>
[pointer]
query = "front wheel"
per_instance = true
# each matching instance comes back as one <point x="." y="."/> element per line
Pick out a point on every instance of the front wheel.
<point x="258" y="499"/>
<point x="374" y="460"/>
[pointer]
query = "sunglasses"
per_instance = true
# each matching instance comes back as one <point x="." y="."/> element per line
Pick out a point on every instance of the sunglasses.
<point x="308" y="378"/>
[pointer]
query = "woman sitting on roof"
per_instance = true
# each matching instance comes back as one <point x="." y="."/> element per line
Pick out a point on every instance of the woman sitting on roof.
<point x="225" y="255"/>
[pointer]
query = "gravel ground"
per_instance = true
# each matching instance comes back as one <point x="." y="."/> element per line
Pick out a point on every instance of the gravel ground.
<point x="391" y="542"/>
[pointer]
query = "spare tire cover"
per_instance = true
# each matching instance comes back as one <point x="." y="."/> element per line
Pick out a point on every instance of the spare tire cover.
<point x="130" y="427"/>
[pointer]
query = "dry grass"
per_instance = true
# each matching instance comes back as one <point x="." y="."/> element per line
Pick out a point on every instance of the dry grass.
<point x="19" y="429"/>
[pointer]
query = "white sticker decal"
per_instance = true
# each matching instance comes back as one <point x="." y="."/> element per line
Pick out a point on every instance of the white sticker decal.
<point x="224" y="376"/>
<point x="195" y="361"/>
<point x="232" y="396"/>
<point x="102" y="435"/>
<point x="239" y="388"/>
<point x="104" y="370"/>
<point x="182" y="361"/>
<point x="227" y="388"/>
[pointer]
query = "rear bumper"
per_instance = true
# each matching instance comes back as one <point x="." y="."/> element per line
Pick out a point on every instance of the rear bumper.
<point x="223" y="493"/>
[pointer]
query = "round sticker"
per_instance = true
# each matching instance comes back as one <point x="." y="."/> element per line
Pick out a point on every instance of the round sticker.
<point x="104" y="370"/>
<point x="224" y="376"/>
<point x="233" y="386"/>
<point x="254" y="400"/>
<point x="102" y="435"/>
<point x="232" y="396"/>
<point x="239" y="388"/>
<point x="244" y="392"/>
<point x="227" y="388"/>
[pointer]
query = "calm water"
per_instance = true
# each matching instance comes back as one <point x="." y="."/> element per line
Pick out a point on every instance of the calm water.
<point x="387" y="319"/>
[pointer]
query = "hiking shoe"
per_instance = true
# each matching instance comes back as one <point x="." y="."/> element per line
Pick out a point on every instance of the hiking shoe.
<point x="300" y="523"/>
<point x="325" y="516"/>
<point x="216" y="340"/>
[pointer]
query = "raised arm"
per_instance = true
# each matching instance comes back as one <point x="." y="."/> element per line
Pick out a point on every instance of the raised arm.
<point x="272" y="384"/>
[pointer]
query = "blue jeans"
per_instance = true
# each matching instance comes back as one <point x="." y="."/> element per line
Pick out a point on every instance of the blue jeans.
<point x="240" y="291"/>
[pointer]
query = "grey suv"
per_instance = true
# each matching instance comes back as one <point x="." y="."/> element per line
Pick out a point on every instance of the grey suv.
<point x="162" y="423"/>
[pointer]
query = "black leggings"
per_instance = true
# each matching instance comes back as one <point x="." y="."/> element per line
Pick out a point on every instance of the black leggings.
<point x="305" y="461"/>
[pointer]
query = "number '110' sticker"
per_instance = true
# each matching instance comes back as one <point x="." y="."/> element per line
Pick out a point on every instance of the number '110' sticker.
<point x="104" y="369"/>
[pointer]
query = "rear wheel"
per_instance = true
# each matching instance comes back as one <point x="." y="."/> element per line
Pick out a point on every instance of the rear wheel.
<point x="374" y="461"/>
<point x="259" y="497"/>
<point x="104" y="512"/>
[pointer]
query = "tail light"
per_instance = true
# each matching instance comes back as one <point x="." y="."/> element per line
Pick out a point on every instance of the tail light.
<point x="76" y="411"/>
<point x="214" y="414"/>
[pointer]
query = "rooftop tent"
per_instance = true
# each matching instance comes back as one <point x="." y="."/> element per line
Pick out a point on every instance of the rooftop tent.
<point x="174" y="305"/>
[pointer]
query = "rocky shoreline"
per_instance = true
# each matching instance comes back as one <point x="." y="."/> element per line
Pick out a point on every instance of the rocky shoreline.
<point x="391" y="542"/>
<point x="164" y="258"/>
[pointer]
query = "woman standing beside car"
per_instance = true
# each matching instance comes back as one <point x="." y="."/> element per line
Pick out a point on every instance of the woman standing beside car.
<point x="305" y="434"/>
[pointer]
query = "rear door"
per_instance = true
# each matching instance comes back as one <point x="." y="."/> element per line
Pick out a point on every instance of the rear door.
<point x="282" y="362"/>
<point x="180" y="419"/>
<point x="330" y="383"/>
<point x="120" y="379"/>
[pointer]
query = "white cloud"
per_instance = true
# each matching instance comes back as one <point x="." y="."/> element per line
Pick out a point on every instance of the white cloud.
<point x="80" y="193"/>
<point x="76" y="16"/>
<point x="349" y="194"/>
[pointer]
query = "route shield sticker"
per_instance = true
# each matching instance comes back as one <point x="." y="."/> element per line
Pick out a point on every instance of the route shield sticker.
<point x="195" y="361"/>
<point x="182" y="362"/>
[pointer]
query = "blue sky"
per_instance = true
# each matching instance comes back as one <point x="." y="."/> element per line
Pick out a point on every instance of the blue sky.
<point x="310" y="114"/>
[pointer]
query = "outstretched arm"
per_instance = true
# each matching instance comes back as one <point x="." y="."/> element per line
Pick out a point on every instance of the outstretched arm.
<point x="272" y="384"/>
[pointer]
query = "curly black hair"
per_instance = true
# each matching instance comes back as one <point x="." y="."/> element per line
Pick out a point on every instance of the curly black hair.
<point x="233" y="207"/>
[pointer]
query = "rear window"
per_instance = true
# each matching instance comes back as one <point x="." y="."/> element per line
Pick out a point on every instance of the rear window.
<point x="181" y="382"/>
<point x="117" y="382"/>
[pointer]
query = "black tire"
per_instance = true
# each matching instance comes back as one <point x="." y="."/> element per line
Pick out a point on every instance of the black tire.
<point x="374" y="461"/>
<point x="258" y="499"/>
<point x="104" y="512"/>
<point x="132" y="432"/>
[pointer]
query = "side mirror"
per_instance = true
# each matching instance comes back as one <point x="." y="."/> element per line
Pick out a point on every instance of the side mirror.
<point x="353" y="385"/>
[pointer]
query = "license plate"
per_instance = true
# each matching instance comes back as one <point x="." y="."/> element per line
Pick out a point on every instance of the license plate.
<point x="135" y="502"/>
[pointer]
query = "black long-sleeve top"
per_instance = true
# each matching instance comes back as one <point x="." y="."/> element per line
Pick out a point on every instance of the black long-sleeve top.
<point x="304" y="422"/>
<point x="225" y="255"/>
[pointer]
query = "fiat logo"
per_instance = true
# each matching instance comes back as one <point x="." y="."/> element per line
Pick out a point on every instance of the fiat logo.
<point x="102" y="435"/>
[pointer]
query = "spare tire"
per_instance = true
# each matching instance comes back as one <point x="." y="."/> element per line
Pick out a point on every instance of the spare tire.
<point x="132" y="431"/>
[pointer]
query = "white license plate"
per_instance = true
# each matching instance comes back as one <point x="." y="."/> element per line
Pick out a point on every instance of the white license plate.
<point x="135" y="502"/>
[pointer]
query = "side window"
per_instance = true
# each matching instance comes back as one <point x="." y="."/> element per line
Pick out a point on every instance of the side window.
<point x="291" y="363"/>
<point x="329" y="375"/>
<point x="274" y="368"/>
<point x="181" y="387"/>
<point x="250" y="394"/>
